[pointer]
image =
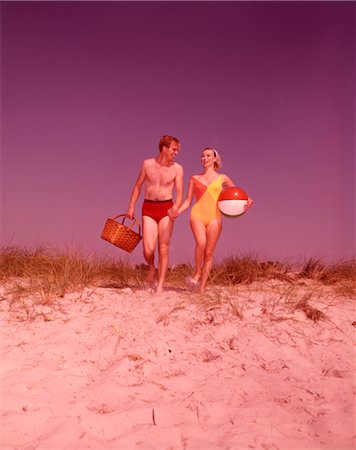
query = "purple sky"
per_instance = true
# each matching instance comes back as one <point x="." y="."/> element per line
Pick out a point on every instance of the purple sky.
<point x="88" y="88"/>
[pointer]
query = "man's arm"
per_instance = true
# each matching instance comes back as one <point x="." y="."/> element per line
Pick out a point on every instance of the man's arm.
<point x="173" y="212"/>
<point x="136" y="192"/>
<point x="187" y="202"/>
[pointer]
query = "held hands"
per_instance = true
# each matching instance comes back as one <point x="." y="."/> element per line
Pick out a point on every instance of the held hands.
<point x="172" y="213"/>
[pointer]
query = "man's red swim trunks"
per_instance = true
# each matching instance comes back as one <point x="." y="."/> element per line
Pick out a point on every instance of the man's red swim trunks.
<point x="156" y="209"/>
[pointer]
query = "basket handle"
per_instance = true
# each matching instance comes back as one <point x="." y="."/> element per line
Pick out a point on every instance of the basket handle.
<point x="134" y="221"/>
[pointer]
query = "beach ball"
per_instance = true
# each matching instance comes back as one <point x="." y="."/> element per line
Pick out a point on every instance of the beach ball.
<point x="231" y="201"/>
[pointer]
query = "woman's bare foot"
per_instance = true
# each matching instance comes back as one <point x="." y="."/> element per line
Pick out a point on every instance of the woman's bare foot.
<point x="192" y="283"/>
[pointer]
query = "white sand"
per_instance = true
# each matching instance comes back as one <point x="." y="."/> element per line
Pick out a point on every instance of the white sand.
<point x="234" y="369"/>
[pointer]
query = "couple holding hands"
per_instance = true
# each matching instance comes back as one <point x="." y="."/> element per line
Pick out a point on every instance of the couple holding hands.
<point x="161" y="175"/>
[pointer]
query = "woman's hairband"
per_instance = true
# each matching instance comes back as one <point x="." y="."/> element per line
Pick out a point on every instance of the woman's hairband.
<point x="216" y="153"/>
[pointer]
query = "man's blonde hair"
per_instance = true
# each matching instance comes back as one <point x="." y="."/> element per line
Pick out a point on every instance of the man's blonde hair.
<point x="166" y="140"/>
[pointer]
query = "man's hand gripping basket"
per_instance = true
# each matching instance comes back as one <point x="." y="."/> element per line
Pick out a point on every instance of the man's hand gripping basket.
<point x="120" y="235"/>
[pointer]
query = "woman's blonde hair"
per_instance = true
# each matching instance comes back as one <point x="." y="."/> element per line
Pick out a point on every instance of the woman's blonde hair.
<point x="217" y="163"/>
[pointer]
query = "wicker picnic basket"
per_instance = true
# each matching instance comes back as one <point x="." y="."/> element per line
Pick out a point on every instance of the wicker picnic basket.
<point x="120" y="235"/>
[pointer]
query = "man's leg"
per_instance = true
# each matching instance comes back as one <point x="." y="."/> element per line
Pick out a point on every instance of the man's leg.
<point x="165" y="227"/>
<point x="149" y="236"/>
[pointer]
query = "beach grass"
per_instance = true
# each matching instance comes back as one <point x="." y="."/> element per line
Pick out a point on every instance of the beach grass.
<point x="46" y="276"/>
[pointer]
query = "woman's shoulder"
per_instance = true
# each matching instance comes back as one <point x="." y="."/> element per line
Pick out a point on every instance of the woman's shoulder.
<point x="226" y="180"/>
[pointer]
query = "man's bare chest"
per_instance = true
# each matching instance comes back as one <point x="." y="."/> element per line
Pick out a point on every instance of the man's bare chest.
<point x="161" y="176"/>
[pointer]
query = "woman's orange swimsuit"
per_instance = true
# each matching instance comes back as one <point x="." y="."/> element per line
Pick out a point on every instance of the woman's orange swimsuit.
<point x="206" y="206"/>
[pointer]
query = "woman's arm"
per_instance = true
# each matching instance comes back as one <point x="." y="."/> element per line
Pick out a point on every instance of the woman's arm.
<point x="227" y="182"/>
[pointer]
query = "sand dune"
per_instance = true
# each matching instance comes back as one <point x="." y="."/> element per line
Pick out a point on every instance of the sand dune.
<point x="237" y="368"/>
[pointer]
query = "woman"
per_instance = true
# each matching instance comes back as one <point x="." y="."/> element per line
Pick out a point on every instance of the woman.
<point x="205" y="216"/>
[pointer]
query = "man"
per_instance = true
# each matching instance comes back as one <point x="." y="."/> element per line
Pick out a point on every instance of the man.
<point x="160" y="176"/>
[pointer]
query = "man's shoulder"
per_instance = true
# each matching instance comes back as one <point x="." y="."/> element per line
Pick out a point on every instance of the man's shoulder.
<point x="177" y="166"/>
<point x="149" y="161"/>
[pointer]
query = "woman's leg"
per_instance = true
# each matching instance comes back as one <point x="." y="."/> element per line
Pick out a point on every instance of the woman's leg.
<point x="213" y="231"/>
<point x="199" y="232"/>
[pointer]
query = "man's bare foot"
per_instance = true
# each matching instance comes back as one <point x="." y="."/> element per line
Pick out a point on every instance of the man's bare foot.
<point x="150" y="279"/>
<point x="159" y="290"/>
<point x="196" y="277"/>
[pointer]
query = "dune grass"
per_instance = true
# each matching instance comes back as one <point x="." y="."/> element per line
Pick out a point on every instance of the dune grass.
<point x="48" y="276"/>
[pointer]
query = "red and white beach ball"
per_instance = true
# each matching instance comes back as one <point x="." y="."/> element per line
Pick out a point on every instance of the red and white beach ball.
<point x="231" y="201"/>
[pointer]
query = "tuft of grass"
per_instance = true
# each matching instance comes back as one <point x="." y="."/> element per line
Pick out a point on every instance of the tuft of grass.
<point x="248" y="269"/>
<point x="177" y="274"/>
<point x="328" y="273"/>
<point x="312" y="269"/>
<point x="341" y="275"/>
<point x="310" y="312"/>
